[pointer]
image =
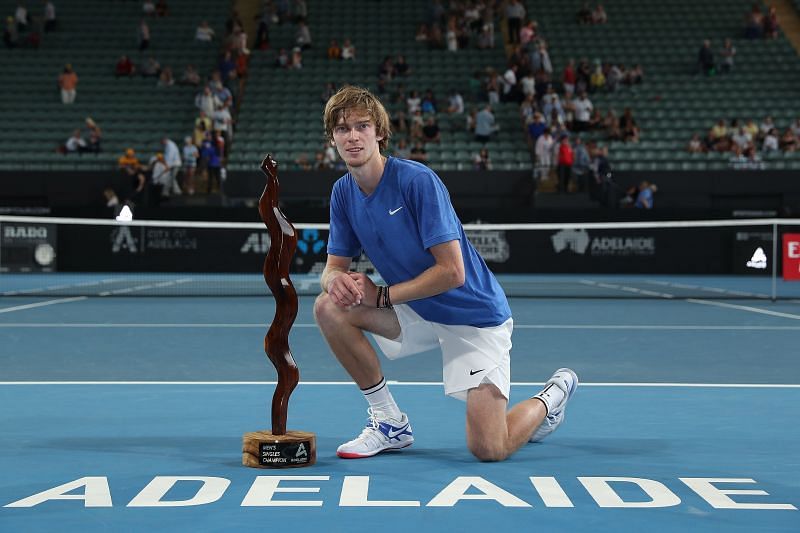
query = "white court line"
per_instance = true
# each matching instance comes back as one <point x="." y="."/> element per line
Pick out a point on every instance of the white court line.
<point x="195" y="325"/>
<point x="410" y="383"/>
<point x="744" y="308"/>
<point x="41" y="304"/>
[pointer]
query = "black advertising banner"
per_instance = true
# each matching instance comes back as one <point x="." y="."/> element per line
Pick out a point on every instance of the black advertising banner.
<point x="28" y="247"/>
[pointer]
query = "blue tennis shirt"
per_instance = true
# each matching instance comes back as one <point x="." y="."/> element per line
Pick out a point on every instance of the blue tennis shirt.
<point x="407" y="213"/>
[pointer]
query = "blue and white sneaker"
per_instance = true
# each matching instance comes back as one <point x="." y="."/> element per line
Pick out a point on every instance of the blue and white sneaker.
<point x="378" y="436"/>
<point x="566" y="380"/>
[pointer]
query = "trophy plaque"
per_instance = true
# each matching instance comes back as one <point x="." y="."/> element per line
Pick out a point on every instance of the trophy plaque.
<point x="279" y="448"/>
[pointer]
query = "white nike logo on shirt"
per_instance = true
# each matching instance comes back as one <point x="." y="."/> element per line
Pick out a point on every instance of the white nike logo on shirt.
<point x="393" y="211"/>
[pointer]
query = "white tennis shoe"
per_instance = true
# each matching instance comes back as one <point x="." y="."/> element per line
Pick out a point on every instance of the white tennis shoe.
<point x="566" y="380"/>
<point x="379" y="435"/>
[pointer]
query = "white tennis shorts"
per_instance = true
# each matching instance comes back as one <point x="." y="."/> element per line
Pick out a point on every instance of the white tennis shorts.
<point x="470" y="355"/>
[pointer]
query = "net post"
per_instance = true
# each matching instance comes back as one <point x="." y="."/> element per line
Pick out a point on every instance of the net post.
<point x="774" y="260"/>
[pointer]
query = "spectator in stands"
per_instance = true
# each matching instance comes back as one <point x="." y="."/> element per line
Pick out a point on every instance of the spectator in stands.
<point x="581" y="166"/>
<point x="696" y="145"/>
<point x="301" y="162"/>
<point x="172" y="158"/>
<point x="771" y="142"/>
<point x="144" y="35"/>
<point x="206" y="101"/>
<point x="599" y="15"/>
<point x="536" y="128"/>
<point x="645" y="196"/>
<point x="429" y="104"/>
<point x="50" y="20"/>
<point x="584" y="15"/>
<point x="485" y="124"/>
<point x="21" y="17"/>
<point x="202" y="124"/>
<point x="226" y="66"/>
<point x="754" y="24"/>
<point x="95" y="135"/>
<point x="635" y="75"/>
<point x="418" y="153"/>
<point x="328" y="91"/>
<point x="162" y="9"/>
<point x="527" y="108"/>
<point x="296" y="59"/>
<point x="302" y="36"/>
<point x="68" y="83"/>
<point x="628" y="127"/>
<point x="742" y="138"/>
<point x="451" y="35"/>
<point x="482" y="161"/>
<point x="399" y="122"/>
<point x="789" y="141"/>
<point x="455" y="102"/>
<point x="705" y="59"/>
<point x="598" y="79"/>
<point x="738" y="160"/>
<point x="112" y="200"/>
<point x="566" y="158"/>
<point x="334" y="50"/>
<point x="600" y="184"/>
<point x="159" y="179"/>
<point x="543" y="152"/>
<point x="771" y="24"/>
<point x="75" y="144"/>
<point x="124" y="67"/>
<point x="204" y="33"/>
<point x="471" y="120"/>
<point x="149" y="8"/>
<point x="401" y="149"/>
<point x="150" y="68"/>
<point x="223" y="121"/>
<point x="510" y="85"/>
<point x="752" y="128"/>
<point x="431" y="132"/>
<point x="515" y="13"/>
<point x="611" y="126"/>
<point x="348" y="50"/>
<point x="331" y="155"/>
<point x="583" y="112"/>
<point x="190" y="156"/>
<point x="614" y="77"/>
<point x="386" y="69"/>
<point x="401" y="66"/>
<point x="413" y="103"/>
<point x="10" y="34"/>
<point x="299" y="10"/>
<point x="282" y="59"/>
<point x="569" y="77"/>
<point x="754" y="161"/>
<point x="727" y="53"/>
<point x="765" y="127"/>
<point x="190" y="76"/>
<point x="528" y="32"/>
<point x="421" y="34"/>
<point x="210" y="158"/>
<point x="165" y="78"/>
<point x="718" y="138"/>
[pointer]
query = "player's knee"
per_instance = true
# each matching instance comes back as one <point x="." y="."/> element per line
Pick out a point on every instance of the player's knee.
<point x="488" y="452"/>
<point x="326" y="312"/>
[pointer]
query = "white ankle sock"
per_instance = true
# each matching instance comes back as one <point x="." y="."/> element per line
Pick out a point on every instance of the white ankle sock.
<point x="551" y="395"/>
<point x="381" y="400"/>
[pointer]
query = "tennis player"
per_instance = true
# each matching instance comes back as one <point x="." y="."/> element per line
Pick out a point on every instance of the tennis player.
<point x="439" y="294"/>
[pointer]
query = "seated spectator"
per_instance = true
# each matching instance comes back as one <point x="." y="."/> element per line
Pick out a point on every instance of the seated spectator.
<point x="301" y="162"/>
<point x="399" y="122"/>
<point x="21" y="17"/>
<point x="584" y="15"/>
<point x="348" y="50"/>
<point x="614" y="77"/>
<point x="124" y="67"/>
<point x="789" y="141"/>
<point x="95" y="135"/>
<point x="471" y="120"/>
<point x="401" y="67"/>
<point x="611" y="125"/>
<point x="718" y="137"/>
<point x="75" y="144"/>
<point x="696" y="145"/>
<point x="742" y="138"/>
<point x="50" y="20"/>
<point x="190" y="76"/>
<point x="386" y="69"/>
<point x="771" y="24"/>
<point x="771" y="142"/>
<point x="418" y="153"/>
<point x="204" y="33"/>
<point x="319" y="161"/>
<point x="162" y="10"/>
<point x="151" y="68"/>
<point x="431" y="132"/>
<point x="598" y="79"/>
<point x="485" y="124"/>
<point x="754" y="24"/>
<point x="282" y="59"/>
<point x="296" y="60"/>
<point x="401" y="149"/>
<point x="303" y="35"/>
<point x="429" y="104"/>
<point x="455" y="102"/>
<point x="596" y="121"/>
<point x="599" y="15"/>
<point x="482" y="161"/>
<point x="149" y="8"/>
<point x="628" y="127"/>
<point x="705" y="59"/>
<point x="727" y="53"/>
<point x="765" y="127"/>
<point x="330" y="90"/>
<point x="634" y="76"/>
<point x="421" y="34"/>
<point x="753" y="160"/>
<point x="334" y="50"/>
<point x="165" y="78"/>
<point x="752" y="128"/>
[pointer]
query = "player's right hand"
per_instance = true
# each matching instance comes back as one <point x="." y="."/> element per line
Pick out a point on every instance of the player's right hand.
<point x="344" y="291"/>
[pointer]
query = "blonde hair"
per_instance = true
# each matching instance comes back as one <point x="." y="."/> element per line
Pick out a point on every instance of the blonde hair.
<point x="351" y="98"/>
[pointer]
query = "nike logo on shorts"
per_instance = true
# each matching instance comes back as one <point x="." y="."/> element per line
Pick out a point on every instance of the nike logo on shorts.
<point x="473" y="372"/>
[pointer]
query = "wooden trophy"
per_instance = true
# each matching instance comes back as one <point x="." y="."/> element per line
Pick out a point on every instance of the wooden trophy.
<point x="279" y="448"/>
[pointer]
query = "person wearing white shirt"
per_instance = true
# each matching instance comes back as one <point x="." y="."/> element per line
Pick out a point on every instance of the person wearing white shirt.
<point x="544" y="155"/>
<point x="49" y="17"/>
<point x="204" y="33"/>
<point x="172" y="158"/>
<point x="583" y="112"/>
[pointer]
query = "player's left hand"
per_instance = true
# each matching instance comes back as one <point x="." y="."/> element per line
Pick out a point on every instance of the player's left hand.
<point x="369" y="290"/>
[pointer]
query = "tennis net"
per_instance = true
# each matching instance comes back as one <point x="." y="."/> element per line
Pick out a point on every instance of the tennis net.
<point x="733" y="259"/>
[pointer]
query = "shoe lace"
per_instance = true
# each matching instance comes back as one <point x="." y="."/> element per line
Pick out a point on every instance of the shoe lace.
<point x="371" y="431"/>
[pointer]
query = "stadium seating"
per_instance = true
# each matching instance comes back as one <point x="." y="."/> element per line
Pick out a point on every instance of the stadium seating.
<point x="132" y="112"/>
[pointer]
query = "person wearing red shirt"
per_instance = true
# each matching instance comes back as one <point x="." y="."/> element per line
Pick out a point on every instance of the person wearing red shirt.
<point x="565" y="159"/>
<point x="568" y="77"/>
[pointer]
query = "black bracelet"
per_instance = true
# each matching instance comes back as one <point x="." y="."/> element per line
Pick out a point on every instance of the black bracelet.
<point x="383" y="300"/>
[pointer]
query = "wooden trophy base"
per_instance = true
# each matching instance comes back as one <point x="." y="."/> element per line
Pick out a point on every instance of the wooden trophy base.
<point x="262" y="449"/>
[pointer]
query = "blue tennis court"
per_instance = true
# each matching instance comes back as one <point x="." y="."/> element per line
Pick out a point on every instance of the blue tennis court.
<point x="127" y="413"/>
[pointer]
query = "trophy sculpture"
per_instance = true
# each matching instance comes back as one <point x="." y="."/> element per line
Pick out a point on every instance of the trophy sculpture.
<point x="279" y="448"/>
